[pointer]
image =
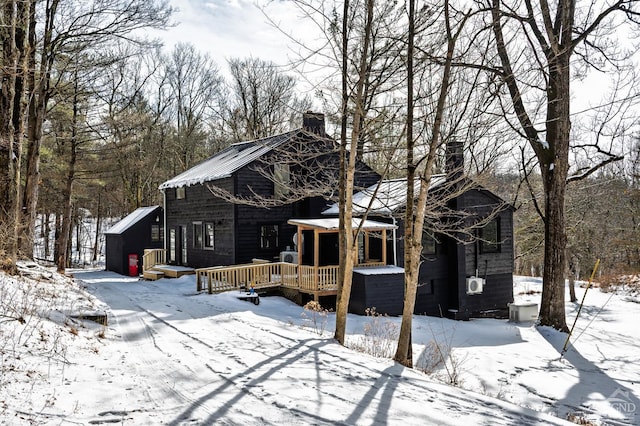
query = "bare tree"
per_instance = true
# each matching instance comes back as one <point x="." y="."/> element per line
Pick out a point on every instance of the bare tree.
<point x="14" y="48"/>
<point x="260" y="101"/>
<point x="193" y="84"/>
<point x="421" y="162"/>
<point x="360" y="59"/>
<point x="132" y="130"/>
<point x="68" y="27"/>
<point x="536" y="44"/>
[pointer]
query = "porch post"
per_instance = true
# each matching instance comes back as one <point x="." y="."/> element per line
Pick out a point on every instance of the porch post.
<point x="384" y="246"/>
<point x="299" y="244"/>
<point x="316" y="261"/>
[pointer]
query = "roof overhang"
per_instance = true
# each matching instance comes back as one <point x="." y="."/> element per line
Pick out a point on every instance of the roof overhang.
<point x="332" y="224"/>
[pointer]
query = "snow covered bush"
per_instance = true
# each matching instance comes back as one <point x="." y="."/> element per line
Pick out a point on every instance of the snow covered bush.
<point x="315" y="317"/>
<point x="439" y="360"/>
<point x="379" y="338"/>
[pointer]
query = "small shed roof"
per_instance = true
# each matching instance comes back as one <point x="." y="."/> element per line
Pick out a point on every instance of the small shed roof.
<point x="391" y="195"/>
<point x="131" y="219"/>
<point x="228" y="161"/>
<point x="332" y="224"/>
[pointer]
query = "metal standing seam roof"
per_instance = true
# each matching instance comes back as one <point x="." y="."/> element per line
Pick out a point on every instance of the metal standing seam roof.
<point x="131" y="219"/>
<point x="391" y="196"/>
<point x="226" y="162"/>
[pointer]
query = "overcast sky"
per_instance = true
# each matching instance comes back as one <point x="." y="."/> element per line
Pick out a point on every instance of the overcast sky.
<point x="233" y="28"/>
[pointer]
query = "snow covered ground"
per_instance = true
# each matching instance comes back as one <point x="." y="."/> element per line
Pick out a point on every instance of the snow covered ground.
<point x="171" y="356"/>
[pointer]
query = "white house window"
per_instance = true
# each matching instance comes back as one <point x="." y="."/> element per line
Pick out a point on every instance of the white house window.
<point x="268" y="236"/>
<point x="282" y="181"/>
<point x="429" y="244"/>
<point x="156" y="232"/>
<point x="180" y="193"/>
<point x="198" y="241"/>
<point x="209" y="235"/>
<point x="490" y="237"/>
<point x="172" y="245"/>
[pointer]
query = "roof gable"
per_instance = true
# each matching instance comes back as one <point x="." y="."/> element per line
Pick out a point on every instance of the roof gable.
<point x="131" y="219"/>
<point x="229" y="160"/>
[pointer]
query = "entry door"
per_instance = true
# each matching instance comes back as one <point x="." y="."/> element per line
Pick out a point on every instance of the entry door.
<point x="183" y="246"/>
<point x="172" y="245"/>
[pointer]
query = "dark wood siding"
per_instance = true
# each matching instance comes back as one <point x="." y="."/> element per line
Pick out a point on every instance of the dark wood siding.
<point x="443" y="276"/>
<point x="384" y="292"/>
<point x="199" y="205"/>
<point x="116" y="256"/>
<point x="495" y="268"/>
<point x="132" y="241"/>
<point x="249" y="219"/>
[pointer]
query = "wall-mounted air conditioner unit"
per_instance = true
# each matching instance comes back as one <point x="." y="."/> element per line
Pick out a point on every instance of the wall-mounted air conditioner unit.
<point x="475" y="285"/>
<point x="289" y="256"/>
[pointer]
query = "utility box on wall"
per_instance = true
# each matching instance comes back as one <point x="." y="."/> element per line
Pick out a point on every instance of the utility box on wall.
<point x="133" y="265"/>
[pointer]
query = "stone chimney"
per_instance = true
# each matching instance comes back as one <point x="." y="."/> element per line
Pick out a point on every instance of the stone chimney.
<point x="313" y="122"/>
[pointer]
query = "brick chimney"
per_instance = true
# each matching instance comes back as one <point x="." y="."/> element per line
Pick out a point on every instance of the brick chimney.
<point x="454" y="166"/>
<point x="313" y="122"/>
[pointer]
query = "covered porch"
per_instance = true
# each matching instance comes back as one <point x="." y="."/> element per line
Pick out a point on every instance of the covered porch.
<point x="315" y="271"/>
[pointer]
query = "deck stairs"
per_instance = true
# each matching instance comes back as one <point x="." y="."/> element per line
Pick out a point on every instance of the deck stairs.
<point x="154" y="266"/>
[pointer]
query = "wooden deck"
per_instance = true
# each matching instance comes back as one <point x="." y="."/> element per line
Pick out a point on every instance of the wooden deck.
<point x="317" y="281"/>
<point x="314" y="280"/>
<point x="154" y="266"/>
<point x="173" y="271"/>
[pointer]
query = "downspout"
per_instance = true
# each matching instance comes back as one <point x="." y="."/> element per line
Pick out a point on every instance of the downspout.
<point x="395" y="242"/>
<point x="164" y="227"/>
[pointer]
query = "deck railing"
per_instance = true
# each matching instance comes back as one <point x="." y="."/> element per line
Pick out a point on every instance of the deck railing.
<point x="153" y="257"/>
<point x="308" y="279"/>
<point x="371" y="264"/>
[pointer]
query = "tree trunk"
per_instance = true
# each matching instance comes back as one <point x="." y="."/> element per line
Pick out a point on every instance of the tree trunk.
<point x="416" y="206"/>
<point x="572" y="281"/>
<point x="94" y="256"/>
<point x="63" y="243"/>
<point x="46" y="234"/>
<point x="56" y="237"/>
<point x="404" y="351"/>
<point x="554" y="166"/>
<point x="14" y="33"/>
<point x="552" y="153"/>
<point x="8" y="181"/>
<point x="34" y="136"/>
<point x="343" y="244"/>
<point x="347" y="239"/>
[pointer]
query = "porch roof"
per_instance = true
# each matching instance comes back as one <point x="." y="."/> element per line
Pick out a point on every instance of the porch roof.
<point x="332" y="224"/>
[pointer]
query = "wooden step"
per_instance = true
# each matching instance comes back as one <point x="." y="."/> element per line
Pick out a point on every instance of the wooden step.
<point x="152" y="275"/>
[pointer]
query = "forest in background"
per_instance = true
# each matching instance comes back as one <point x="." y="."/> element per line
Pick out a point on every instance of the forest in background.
<point x="102" y="115"/>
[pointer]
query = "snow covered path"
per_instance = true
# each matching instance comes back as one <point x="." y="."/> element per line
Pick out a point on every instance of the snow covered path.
<point x="200" y="359"/>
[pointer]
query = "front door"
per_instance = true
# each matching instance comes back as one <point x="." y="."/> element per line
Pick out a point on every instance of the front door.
<point x="183" y="245"/>
<point x="178" y="245"/>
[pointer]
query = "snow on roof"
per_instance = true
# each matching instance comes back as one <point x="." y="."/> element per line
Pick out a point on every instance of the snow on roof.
<point x="227" y="161"/>
<point x="131" y="219"/>
<point x="331" y="224"/>
<point x="379" y="270"/>
<point x="391" y="196"/>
